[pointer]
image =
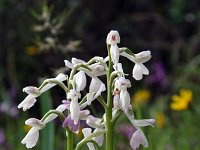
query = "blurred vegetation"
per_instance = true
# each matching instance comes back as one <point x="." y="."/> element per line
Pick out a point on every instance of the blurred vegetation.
<point x="36" y="36"/>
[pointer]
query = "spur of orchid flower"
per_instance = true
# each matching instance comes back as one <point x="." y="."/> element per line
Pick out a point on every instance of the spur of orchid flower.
<point x="74" y="109"/>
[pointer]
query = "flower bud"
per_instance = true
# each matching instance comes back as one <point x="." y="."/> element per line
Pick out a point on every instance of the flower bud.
<point x="113" y="37"/>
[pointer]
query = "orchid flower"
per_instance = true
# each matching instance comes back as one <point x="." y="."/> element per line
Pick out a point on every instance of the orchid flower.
<point x="140" y="58"/>
<point x="138" y="136"/>
<point x="69" y="122"/>
<point x="95" y="89"/>
<point x="96" y="69"/>
<point x="34" y="92"/>
<point x="114" y="104"/>
<point x="73" y="62"/>
<point x="80" y="80"/>
<point x="122" y="84"/>
<point x="74" y="105"/>
<point x="113" y="39"/>
<point x="32" y="136"/>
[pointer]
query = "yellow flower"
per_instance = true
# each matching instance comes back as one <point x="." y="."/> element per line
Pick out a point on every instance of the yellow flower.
<point x="27" y="128"/>
<point x="31" y="50"/>
<point x="160" y="120"/>
<point x="141" y="97"/>
<point x="182" y="101"/>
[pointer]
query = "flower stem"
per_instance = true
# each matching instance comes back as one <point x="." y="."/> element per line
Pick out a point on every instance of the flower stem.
<point x="69" y="135"/>
<point x="109" y="125"/>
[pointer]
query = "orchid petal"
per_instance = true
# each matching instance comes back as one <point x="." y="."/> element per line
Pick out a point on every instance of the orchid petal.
<point x="80" y="80"/>
<point x="94" y="122"/>
<point x="84" y="114"/>
<point x="31" y="90"/>
<point x="114" y="52"/>
<point x="145" y="122"/>
<point x="122" y="83"/>
<point x="31" y="137"/>
<point x="95" y="84"/>
<point x="68" y="64"/>
<point x="125" y="99"/>
<point x="35" y="123"/>
<point x="138" y="138"/>
<point x="138" y="71"/>
<point x="143" y="57"/>
<point x="75" y="110"/>
<point x="27" y="103"/>
<point x="73" y="95"/>
<point x="77" y="61"/>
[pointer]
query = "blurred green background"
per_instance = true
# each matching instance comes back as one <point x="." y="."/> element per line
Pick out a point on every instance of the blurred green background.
<point x="36" y="37"/>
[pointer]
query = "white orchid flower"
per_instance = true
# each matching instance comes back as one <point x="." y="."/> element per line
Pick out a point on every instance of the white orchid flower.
<point x="34" y="92"/>
<point x="74" y="61"/>
<point x="113" y="39"/>
<point x="80" y="80"/>
<point x="95" y="89"/>
<point x="138" y="137"/>
<point x="74" y="105"/>
<point x="96" y="69"/>
<point x="68" y="122"/>
<point x="32" y="136"/>
<point x="122" y="84"/>
<point x="140" y="58"/>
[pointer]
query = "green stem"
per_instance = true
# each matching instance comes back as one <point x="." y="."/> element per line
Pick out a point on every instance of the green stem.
<point x="109" y="124"/>
<point x="102" y="101"/>
<point x="69" y="135"/>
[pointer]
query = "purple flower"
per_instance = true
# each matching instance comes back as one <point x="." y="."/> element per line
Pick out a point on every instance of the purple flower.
<point x="158" y="76"/>
<point x="2" y="137"/>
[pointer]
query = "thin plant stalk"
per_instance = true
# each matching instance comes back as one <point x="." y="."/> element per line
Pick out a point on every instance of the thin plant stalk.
<point x="69" y="135"/>
<point x="109" y="125"/>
